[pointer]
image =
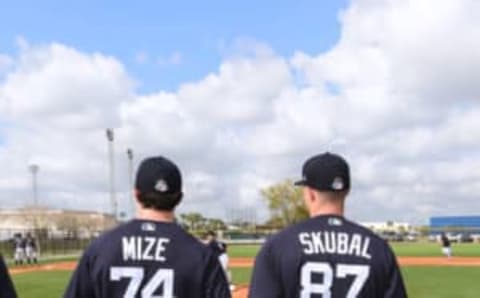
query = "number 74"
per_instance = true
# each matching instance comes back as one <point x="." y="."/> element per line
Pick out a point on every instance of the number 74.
<point x="162" y="276"/>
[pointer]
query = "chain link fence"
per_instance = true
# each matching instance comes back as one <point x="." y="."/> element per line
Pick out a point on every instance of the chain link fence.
<point x="50" y="244"/>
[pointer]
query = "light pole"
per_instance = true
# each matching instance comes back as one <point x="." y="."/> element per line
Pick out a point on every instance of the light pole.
<point x="111" y="163"/>
<point x="34" y="170"/>
<point x="130" y="178"/>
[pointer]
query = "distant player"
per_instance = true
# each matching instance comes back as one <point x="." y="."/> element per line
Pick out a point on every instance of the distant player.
<point x="326" y="255"/>
<point x="220" y="250"/>
<point x="6" y="286"/>
<point x="150" y="256"/>
<point x="18" y="249"/>
<point x="446" y="245"/>
<point x="31" y="249"/>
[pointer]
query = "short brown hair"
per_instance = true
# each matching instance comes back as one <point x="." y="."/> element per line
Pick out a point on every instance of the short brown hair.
<point x="160" y="201"/>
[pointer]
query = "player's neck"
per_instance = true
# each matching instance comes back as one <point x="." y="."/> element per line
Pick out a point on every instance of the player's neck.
<point x="155" y="215"/>
<point x="327" y="210"/>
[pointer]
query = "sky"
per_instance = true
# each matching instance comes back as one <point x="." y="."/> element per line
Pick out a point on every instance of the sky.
<point x="166" y="43"/>
<point x="239" y="96"/>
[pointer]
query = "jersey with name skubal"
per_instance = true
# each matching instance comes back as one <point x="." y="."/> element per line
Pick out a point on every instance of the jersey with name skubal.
<point x="326" y="256"/>
<point x="148" y="259"/>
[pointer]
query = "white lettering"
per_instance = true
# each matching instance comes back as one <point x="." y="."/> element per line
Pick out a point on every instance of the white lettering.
<point x="317" y="242"/>
<point x="355" y="245"/>
<point x="306" y="242"/>
<point x="147" y="254"/>
<point x="146" y="249"/>
<point x="366" y="245"/>
<point x="162" y="242"/>
<point x="139" y="248"/>
<point x="342" y="243"/>
<point x="329" y="242"/>
<point x="128" y="248"/>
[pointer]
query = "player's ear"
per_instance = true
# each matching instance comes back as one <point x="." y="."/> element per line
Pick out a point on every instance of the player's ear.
<point x="311" y="195"/>
<point x="137" y="194"/>
<point x="308" y="196"/>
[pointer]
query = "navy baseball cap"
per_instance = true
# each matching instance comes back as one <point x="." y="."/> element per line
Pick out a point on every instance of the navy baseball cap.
<point x="158" y="174"/>
<point x="326" y="172"/>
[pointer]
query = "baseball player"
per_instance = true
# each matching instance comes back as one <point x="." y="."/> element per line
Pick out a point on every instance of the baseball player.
<point x="446" y="246"/>
<point x="6" y="286"/>
<point x="220" y="250"/>
<point x="150" y="256"/>
<point x="19" y="249"/>
<point x="31" y="249"/>
<point x="326" y="255"/>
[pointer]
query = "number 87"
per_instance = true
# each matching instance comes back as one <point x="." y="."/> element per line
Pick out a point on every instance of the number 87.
<point x="361" y="273"/>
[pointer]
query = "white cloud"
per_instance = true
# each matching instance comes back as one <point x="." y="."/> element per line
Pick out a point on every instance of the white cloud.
<point x="56" y="102"/>
<point x="404" y="109"/>
<point x="60" y="86"/>
<point x="5" y="63"/>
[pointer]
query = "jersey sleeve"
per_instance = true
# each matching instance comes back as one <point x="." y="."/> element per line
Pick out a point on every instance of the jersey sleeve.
<point x="216" y="284"/>
<point x="395" y="286"/>
<point x="6" y="286"/>
<point x="265" y="281"/>
<point x="81" y="283"/>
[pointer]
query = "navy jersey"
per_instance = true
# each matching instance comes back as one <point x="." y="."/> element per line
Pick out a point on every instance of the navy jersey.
<point x="445" y="241"/>
<point x="19" y="243"/>
<point x="218" y="248"/>
<point x="148" y="259"/>
<point x="326" y="256"/>
<point x="6" y="287"/>
<point x="30" y="242"/>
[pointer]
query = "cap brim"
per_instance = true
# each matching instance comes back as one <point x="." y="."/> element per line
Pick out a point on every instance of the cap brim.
<point x="300" y="183"/>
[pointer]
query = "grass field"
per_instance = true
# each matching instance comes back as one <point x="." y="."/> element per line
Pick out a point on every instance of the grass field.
<point x="41" y="284"/>
<point x="422" y="282"/>
<point x="402" y="249"/>
<point x="49" y="259"/>
<point x="430" y="249"/>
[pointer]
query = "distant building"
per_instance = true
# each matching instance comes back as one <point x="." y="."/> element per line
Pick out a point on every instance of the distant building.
<point x="388" y="226"/>
<point x="468" y="224"/>
<point x="53" y="223"/>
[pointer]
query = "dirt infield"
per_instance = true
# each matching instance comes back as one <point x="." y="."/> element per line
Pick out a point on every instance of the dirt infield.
<point x="241" y="291"/>
<point x="58" y="266"/>
<point x="403" y="261"/>
<point x="439" y="261"/>
<point x="241" y="262"/>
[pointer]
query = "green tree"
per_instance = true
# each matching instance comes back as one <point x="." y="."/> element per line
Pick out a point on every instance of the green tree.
<point x="193" y="220"/>
<point x="196" y="222"/>
<point x="285" y="202"/>
<point x="215" y="224"/>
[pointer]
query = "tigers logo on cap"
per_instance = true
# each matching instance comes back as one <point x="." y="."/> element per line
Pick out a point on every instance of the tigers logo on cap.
<point x="337" y="183"/>
<point x="161" y="186"/>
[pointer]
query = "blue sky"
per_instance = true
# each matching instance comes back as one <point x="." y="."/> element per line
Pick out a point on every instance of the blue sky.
<point x="382" y="95"/>
<point x="199" y="33"/>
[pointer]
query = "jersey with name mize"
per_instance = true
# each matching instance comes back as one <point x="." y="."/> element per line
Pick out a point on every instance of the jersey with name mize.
<point x="326" y="256"/>
<point x="6" y="287"/>
<point x="148" y="259"/>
